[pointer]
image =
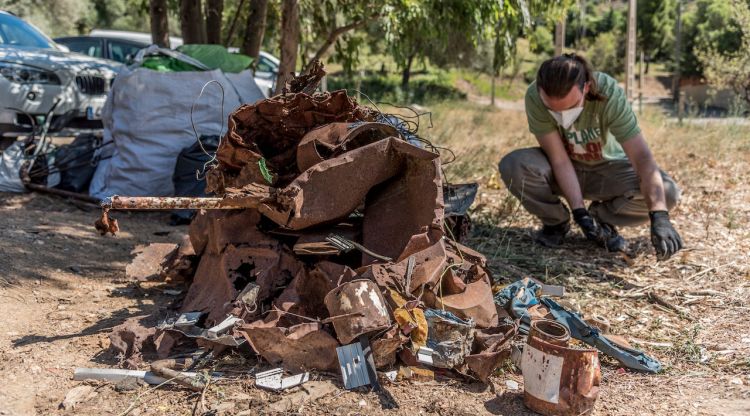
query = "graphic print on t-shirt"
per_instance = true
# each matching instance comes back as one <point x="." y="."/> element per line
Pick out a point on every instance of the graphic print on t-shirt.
<point x="584" y="145"/>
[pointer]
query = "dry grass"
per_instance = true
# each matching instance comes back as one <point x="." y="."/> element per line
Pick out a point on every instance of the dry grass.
<point x="705" y="347"/>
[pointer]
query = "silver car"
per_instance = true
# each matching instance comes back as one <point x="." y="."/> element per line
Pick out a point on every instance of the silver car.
<point x="40" y="77"/>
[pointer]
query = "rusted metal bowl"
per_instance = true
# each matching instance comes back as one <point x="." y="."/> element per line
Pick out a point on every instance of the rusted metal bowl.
<point x="550" y="331"/>
<point x="357" y="308"/>
<point x="558" y="380"/>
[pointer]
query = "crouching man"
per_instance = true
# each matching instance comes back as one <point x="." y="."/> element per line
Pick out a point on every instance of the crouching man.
<point x="590" y="148"/>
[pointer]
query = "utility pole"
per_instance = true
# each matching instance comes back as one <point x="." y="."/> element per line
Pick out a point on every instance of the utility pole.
<point x="677" y="58"/>
<point x="560" y="37"/>
<point x="640" y="84"/>
<point x="630" y="52"/>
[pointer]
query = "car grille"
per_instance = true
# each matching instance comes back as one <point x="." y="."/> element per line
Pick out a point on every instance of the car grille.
<point x="90" y="84"/>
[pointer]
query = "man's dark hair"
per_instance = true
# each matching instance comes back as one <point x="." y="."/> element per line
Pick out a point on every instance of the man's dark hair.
<point x="558" y="75"/>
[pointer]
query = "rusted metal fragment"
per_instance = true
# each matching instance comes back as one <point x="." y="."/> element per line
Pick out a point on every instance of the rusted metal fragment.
<point x="315" y="197"/>
<point x="298" y="348"/>
<point x="558" y="380"/>
<point x="180" y="265"/>
<point x="305" y="294"/>
<point x="331" y="140"/>
<point x="106" y="224"/>
<point x="212" y="231"/>
<point x="491" y="347"/>
<point x="408" y="205"/>
<point x="361" y="296"/>
<point x="473" y="303"/>
<point x="148" y="263"/>
<point x="271" y="129"/>
<point x="384" y="348"/>
<point x="220" y="277"/>
<point x="308" y="82"/>
<point x="130" y="340"/>
<point x="428" y="267"/>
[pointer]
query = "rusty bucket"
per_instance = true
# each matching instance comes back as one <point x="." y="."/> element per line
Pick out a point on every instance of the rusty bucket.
<point x="356" y="308"/>
<point x="558" y="380"/>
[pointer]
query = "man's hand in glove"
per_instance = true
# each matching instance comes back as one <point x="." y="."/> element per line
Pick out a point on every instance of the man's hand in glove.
<point x="588" y="224"/>
<point x="664" y="237"/>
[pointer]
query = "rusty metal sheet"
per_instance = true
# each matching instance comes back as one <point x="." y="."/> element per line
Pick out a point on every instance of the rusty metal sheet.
<point x="473" y="303"/>
<point x="220" y="277"/>
<point x="271" y="129"/>
<point x="558" y="380"/>
<point x="305" y="294"/>
<point x="331" y="140"/>
<point x="491" y="347"/>
<point x="298" y="348"/>
<point x="409" y="204"/>
<point x="315" y="197"/>
<point x="180" y="265"/>
<point x="362" y="296"/>
<point x="384" y="348"/>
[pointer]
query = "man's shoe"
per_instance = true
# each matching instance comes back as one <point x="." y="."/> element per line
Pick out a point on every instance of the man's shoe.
<point x="552" y="235"/>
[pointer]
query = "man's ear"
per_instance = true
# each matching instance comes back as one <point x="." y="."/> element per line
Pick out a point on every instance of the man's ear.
<point x="586" y="88"/>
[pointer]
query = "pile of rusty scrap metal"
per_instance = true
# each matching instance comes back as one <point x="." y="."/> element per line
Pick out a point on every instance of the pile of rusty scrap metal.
<point x="328" y="228"/>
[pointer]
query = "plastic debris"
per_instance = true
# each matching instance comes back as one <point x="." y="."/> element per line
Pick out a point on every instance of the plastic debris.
<point x="275" y="380"/>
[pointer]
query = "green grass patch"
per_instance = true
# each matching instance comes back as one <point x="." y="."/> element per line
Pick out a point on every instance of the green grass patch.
<point x="423" y="88"/>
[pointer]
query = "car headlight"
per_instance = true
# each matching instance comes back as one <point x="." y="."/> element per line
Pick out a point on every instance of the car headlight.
<point x="24" y="74"/>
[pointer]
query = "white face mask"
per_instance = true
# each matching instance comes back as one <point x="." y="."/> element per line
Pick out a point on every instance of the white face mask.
<point x="566" y="118"/>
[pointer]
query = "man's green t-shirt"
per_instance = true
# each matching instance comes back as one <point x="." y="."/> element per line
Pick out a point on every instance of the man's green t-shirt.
<point x="596" y="135"/>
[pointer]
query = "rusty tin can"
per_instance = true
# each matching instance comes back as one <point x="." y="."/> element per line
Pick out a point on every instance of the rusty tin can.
<point x="356" y="308"/>
<point x="558" y="380"/>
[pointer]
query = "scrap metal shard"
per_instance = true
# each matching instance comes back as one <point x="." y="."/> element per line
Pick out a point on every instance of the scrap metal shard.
<point x="298" y="348"/>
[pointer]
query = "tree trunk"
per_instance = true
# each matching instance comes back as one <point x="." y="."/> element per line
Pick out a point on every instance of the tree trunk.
<point x="191" y="22"/>
<point x="492" y="88"/>
<point x="405" y="74"/>
<point x="159" y="23"/>
<point x="233" y="26"/>
<point x="289" y="42"/>
<point x="214" y="10"/>
<point x="255" y="28"/>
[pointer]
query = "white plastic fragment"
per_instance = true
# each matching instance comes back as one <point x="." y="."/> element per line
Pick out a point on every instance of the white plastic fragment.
<point x="224" y="326"/>
<point x="424" y="355"/>
<point x="118" y="374"/>
<point x="275" y="380"/>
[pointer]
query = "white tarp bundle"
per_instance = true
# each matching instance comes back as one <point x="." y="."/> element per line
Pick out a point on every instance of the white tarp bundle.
<point x="147" y="115"/>
<point x="11" y="160"/>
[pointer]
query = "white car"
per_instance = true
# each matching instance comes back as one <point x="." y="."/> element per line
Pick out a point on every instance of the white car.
<point x="39" y="75"/>
<point x="265" y="72"/>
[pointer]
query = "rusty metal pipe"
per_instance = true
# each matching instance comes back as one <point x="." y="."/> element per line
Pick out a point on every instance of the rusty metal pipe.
<point x="171" y="202"/>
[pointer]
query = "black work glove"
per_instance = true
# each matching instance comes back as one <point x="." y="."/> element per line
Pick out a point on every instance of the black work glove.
<point x="664" y="237"/>
<point x="588" y="224"/>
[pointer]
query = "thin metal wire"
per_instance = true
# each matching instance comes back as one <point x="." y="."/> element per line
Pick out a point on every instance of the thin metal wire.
<point x="198" y="174"/>
<point x="409" y="126"/>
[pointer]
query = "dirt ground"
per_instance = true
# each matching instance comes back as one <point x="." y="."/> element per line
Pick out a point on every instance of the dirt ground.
<point x="62" y="287"/>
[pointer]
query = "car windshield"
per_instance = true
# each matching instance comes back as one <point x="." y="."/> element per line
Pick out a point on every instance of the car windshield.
<point x="16" y="32"/>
